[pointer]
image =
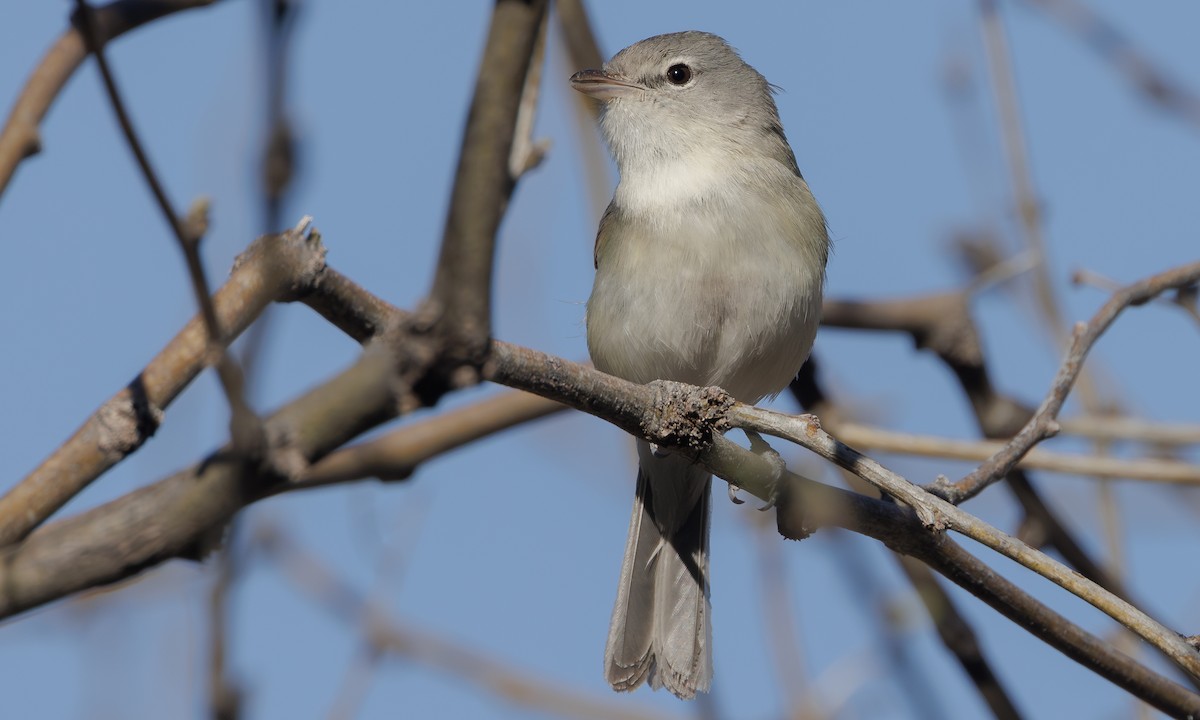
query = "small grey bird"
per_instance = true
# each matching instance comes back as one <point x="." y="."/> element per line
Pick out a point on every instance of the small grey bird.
<point x="710" y="262"/>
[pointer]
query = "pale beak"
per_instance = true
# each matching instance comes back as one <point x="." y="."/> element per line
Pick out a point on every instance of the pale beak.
<point x="602" y="85"/>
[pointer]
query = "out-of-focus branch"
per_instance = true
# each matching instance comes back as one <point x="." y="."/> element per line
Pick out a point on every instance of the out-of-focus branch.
<point x="272" y="269"/>
<point x="386" y="635"/>
<point x="1129" y="429"/>
<point x="583" y="51"/>
<point x="872" y="438"/>
<point x="1025" y="195"/>
<point x="801" y="701"/>
<point x="398" y="454"/>
<point x="582" y="46"/>
<point x="244" y="426"/>
<point x="959" y="637"/>
<point x="1107" y="40"/>
<point x="953" y="629"/>
<point x="458" y="308"/>
<point x="279" y="150"/>
<point x="20" y="138"/>
<point x="224" y="695"/>
<point x="942" y="324"/>
<point x="1043" y="424"/>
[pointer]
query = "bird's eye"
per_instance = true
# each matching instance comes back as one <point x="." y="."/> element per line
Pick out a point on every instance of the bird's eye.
<point x="679" y="74"/>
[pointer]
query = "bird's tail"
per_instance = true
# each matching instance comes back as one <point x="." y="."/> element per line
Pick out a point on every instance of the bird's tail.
<point x="660" y="624"/>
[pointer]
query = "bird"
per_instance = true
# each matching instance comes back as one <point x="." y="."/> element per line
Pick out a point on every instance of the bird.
<point x="710" y="267"/>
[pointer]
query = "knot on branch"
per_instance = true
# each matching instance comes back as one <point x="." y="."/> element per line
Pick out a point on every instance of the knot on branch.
<point x="685" y="415"/>
<point x="127" y="421"/>
<point x="292" y="260"/>
<point x="434" y="356"/>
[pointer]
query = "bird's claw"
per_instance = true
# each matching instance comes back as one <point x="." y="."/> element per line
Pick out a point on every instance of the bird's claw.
<point x="761" y="448"/>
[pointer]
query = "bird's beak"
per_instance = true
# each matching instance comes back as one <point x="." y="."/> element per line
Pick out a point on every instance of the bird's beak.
<point x="602" y="85"/>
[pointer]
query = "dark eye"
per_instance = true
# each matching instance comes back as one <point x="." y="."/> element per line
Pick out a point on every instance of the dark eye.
<point x="679" y="74"/>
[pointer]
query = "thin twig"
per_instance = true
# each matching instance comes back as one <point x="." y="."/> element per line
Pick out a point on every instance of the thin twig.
<point x="1043" y="424"/>
<point x="224" y="695"/>
<point x="873" y="438"/>
<point x="1107" y="40"/>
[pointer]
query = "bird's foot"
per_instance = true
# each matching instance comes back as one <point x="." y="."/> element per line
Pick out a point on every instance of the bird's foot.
<point x="759" y="447"/>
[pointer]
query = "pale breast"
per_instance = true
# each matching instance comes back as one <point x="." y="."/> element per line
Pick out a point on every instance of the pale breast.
<point x="713" y="293"/>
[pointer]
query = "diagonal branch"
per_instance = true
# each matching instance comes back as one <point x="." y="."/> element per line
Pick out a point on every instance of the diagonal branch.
<point x="245" y="427"/>
<point x="1043" y="424"/>
<point x="272" y="269"/>
<point x="20" y="138"/>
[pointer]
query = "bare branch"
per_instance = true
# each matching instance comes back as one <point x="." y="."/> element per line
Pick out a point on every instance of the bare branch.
<point x="460" y="301"/>
<point x="397" y="455"/>
<point x="1164" y="471"/>
<point x="272" y="269"/>
<point x="20" y="138"/>
<point x="1112" y="45"/>
<point x="935" y="513"/>
<point x="805" y="504"/>
<point x="245" y="427"/>
<point x="1043" y="424"/>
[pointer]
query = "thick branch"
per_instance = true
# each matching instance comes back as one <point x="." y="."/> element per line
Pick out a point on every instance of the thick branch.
<point x="462" y="288"/>
<point x="272" y="269"/>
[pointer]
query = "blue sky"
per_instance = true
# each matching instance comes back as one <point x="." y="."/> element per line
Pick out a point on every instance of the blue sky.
<point x="513" y="545"/>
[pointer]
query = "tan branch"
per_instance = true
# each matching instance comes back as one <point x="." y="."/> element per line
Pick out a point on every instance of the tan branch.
<point x="270" y="270"/>
<point x="397" y="455"/>
<point x="459" y="304"/>
<point x="936" y="513"/>
<point x="20" y="138"/>
<point x="873" y="438"/>
<point x="1114" y="46"/>
<point x="1043" y="424"/>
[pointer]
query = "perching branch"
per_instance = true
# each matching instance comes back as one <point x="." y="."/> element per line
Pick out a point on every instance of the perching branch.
<point x="180" y="515"/>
